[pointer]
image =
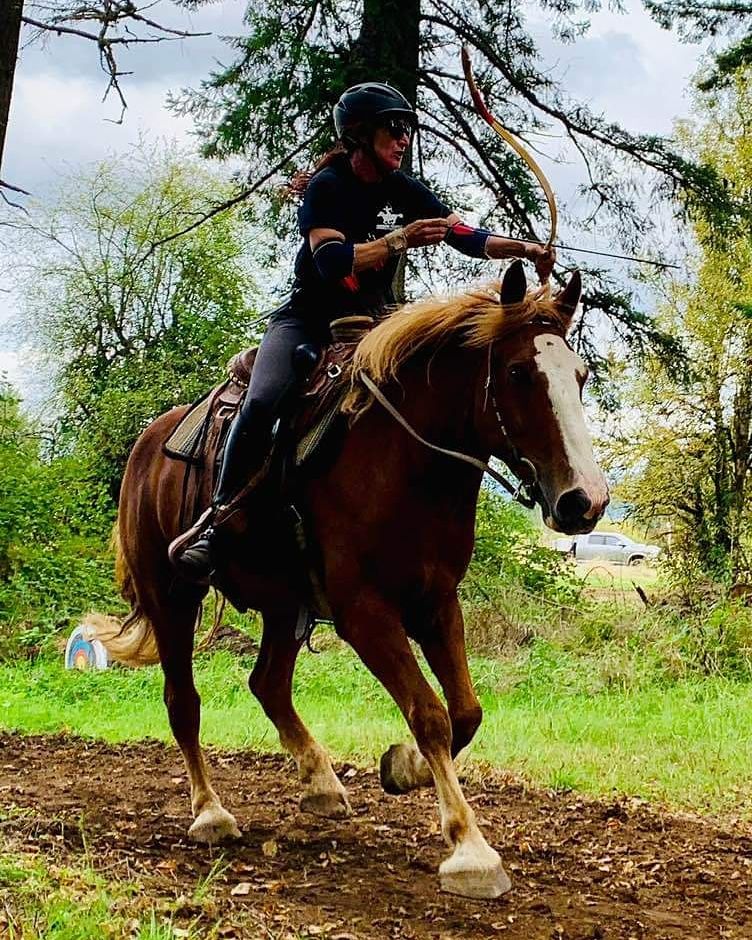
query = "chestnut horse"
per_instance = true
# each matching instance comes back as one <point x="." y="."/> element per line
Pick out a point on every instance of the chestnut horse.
<point x="489" y="372"/>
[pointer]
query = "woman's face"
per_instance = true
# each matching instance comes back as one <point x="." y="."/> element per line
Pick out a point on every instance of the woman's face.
<point x="390" y="149"/>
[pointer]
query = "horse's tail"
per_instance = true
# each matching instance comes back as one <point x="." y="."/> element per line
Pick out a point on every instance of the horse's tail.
<point x="130" y="641"/>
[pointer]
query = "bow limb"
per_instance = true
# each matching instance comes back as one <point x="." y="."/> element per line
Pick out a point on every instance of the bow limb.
<point x="482" y="109"/>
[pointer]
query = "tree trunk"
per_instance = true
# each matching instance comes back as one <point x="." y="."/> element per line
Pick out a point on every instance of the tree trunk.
<point x="10" y="31"/>
<point x="741" y="446"/>
<point x="388" y="46"/>
<point x="388" y="50"/>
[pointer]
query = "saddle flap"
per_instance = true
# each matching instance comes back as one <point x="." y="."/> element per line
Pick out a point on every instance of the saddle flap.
<point x="200" y="435"/>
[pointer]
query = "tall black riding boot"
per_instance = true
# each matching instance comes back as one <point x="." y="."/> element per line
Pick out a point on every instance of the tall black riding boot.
<point x="243" y="458"/>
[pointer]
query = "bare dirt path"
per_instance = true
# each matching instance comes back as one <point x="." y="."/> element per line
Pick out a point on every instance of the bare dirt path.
<point x="581" y="869"/>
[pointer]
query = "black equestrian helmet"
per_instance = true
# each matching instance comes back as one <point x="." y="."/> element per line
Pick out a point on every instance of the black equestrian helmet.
<point x="369" y="101"/>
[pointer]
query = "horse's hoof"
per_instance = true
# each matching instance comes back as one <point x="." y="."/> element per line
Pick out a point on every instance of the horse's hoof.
<point x="403" y="768"/>
<point x="214" y="825"/>
<point x="330" y="805"/>
<point x="459" y="875"/>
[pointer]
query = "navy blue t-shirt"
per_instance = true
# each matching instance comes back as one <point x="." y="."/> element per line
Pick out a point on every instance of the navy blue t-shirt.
<point x="337" y="199"/>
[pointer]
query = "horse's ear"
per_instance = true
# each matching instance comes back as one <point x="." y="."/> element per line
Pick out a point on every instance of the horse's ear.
<point x="567" y="299"/>
<point x="514" y="285"/>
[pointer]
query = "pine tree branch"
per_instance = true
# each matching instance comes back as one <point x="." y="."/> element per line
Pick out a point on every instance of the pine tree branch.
<point x="111" y="40"/>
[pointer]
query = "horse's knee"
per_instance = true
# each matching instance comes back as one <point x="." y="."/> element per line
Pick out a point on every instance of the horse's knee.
<point x="268" y="693"/>
<point x="254" y="684"/>
<point x="430" y="726"/>
<point x="182" y="695"/>
<point x="464" y="725"/>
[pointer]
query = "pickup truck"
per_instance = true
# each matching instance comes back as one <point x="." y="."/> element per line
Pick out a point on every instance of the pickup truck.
<point x="610" y="546"/>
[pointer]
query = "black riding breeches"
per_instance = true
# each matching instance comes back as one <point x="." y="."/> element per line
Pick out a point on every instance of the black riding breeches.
<point x="274" y="382"/>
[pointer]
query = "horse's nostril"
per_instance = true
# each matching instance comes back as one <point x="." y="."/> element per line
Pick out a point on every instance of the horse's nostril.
<point x="573" y="505"/>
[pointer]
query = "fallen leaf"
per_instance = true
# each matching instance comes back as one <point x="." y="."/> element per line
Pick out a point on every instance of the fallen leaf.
<point x="241" y="889"/>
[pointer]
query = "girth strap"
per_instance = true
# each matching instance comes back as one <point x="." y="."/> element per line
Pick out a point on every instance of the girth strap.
<point x="517" y="492"/>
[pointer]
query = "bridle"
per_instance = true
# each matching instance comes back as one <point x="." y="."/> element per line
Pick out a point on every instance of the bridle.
<point x="525" y="492"/>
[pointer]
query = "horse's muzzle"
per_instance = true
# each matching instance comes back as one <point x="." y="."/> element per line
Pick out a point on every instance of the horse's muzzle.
<point x="575" y="512"/>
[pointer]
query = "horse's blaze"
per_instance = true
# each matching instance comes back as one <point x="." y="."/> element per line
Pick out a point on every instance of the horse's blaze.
<point x="561" y="367"/>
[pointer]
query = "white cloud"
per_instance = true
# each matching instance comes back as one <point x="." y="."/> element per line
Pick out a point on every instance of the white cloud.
<point x="56" y="124"/>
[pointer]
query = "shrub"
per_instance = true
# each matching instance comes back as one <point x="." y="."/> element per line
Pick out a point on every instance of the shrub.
<point x="513" y="581"/>
<point x="55" y="522"/>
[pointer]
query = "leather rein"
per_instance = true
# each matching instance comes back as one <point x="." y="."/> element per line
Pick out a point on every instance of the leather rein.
<point x="522" y="492"/>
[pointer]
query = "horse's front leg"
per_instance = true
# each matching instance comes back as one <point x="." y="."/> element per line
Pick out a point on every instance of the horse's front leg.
<point x="441" y="635"/>
<point x="271" y="683"/>
<point x="374" y="629"/>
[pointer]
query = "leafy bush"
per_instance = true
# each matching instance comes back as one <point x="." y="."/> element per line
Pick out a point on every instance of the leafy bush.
<point x="55" y="522"/>
<point x="507" y="551"/>
<point x="512" y="581"/>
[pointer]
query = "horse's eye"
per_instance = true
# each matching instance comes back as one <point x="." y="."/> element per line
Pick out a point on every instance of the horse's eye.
<point x="519" y="375"/>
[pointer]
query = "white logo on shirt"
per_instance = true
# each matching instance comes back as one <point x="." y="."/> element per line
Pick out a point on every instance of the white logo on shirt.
<point x="387" y="220"/>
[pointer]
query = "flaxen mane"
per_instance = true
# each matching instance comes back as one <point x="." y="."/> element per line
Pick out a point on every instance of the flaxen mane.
<point x="476" y="317"/>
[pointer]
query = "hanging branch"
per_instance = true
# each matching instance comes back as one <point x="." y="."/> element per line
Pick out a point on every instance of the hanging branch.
<point x="111" y="15"/>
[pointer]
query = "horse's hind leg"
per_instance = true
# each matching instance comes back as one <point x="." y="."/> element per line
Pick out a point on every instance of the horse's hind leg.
<point x="174" y="626"/>
<point x="442" y="639"/>
<point x="271" y="683"/>
<point x="374" y="628"/>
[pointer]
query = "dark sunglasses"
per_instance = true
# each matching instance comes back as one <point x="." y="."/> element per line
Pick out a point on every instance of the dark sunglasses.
<point x="398" y="127"/>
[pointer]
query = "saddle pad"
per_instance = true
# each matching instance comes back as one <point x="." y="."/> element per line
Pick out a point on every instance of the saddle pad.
<point x="312" y="438"/>
<point x="185" y="441"/>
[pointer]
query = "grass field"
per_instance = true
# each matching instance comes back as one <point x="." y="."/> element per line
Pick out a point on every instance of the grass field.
<point x="561" y="720"/>
<point x="75" y="902"/>
<point x="607" y="698"/>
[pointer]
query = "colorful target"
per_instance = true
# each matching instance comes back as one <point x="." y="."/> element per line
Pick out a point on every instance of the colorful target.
<point x="83" y="651"/>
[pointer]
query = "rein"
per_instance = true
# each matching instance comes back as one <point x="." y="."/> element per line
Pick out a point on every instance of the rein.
<point x="519" y="492"/>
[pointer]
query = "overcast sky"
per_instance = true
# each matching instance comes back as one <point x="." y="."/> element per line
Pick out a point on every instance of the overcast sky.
<point x="626" y="68"/>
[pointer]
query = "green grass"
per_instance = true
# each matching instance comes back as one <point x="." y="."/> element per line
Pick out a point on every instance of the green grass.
<point x="602" y="578"/>
<point x="601" y="723"/>
<point x="75" y="902"/>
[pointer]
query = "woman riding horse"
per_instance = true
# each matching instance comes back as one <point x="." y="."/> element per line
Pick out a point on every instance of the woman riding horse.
<point x="359" y="214"/>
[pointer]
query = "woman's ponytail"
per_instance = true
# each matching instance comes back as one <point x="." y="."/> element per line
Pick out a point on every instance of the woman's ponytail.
<point x="299" y="182"/>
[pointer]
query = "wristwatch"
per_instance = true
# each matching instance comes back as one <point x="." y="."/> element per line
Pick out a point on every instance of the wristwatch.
<point x="396" y="241"/>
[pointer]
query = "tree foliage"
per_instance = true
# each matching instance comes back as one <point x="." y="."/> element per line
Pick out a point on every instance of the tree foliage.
<point x="690" y="466"/>
<point x="698" y="20"/>
<point x="319" y="47"/>
<point x="130" y="330"/>
<point x="54" y="521"/>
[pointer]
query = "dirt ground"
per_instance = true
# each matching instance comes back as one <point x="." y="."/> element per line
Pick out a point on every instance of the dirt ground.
<point x="581" y="869"/>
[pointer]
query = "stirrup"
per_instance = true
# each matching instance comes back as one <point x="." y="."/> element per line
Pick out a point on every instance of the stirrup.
<point x="179" y="545"/>
<point x="196" y="562"/>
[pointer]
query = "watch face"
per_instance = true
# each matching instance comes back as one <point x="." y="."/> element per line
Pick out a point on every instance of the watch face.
<point x="397" y="241"/>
